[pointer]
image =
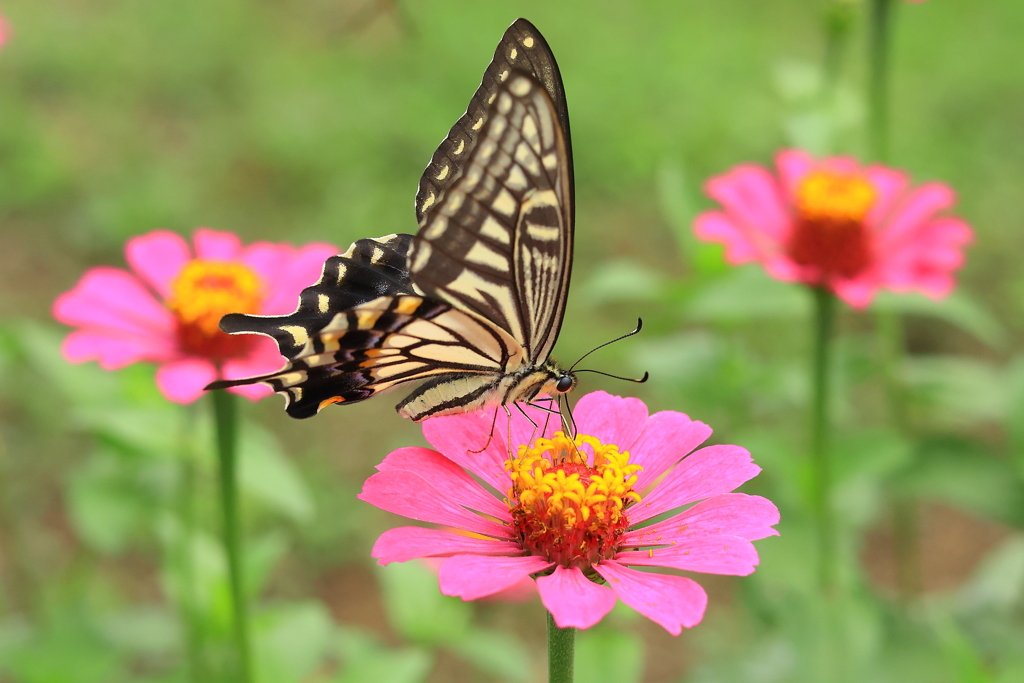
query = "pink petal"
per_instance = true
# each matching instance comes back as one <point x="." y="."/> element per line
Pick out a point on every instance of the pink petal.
<point x="574" y="600"/>
<point x="611" y="419"/>
<point x="728" y="514"/>
<point x="926" y="263"/>
<point x="287" y="271"/>
<point x="889" y="184"/>
<point x="182" y="381"/>
<point x="707" y="472"/>
<point x="157" y="258"/>
<point x="461" y="437"/>
<point x="715" y="226"/>
<point x="673" y="602"/>
<point x="913" y="213"/>
<point x="121" y="321"/>
<point x="410" y="542"/>
<point x="448" y="478"/>
<point x="753" y="200"/>
<point x="215" y="245"/>
<point x="472" y="576"/>
<point x="857" y="293"/>
<point x="111" y="299"/>
<point x="410" y="495"/>
<point x="668" y="437"/>
<point x="730" y="555"/>
<point x="114" y="351"/>
<point x="793" y="165"/>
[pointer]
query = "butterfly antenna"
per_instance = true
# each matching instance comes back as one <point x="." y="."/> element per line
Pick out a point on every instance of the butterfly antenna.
<point x="639" y="326"/>
<point x="627" y="379"/>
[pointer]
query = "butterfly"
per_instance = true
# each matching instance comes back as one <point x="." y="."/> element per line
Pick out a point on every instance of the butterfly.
<point x="472" y="304"/>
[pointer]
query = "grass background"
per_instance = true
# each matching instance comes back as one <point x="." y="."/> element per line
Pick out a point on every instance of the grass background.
<point x="298" y="120"/>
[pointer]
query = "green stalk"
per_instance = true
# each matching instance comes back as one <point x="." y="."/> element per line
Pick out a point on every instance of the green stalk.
<point x="878" y="79"/>
<point x="194" y="648"/>
<point x="561" y="652"/>
<point x="225" y="411"/>
<point x="821" y="469"/>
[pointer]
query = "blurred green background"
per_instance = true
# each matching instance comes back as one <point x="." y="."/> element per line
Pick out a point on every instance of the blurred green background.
<point x="299" y="120"/>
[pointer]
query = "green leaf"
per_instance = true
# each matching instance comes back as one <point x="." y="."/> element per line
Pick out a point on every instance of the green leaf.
<point x="416" y="608"/>
<point x="958" y="309"/>
<point x="495" y="653"/>
<point x="748" y="294"/>
<point x="292" y="641"/>
<point x="142" y="629"/>
<point x="956" y="390"/>
<point x="266" y="472"/>
<point x="106" y="505"/>
<point x="622" y="281"/>
<point x="365" y="659"/>
<point x="605" y="655"/>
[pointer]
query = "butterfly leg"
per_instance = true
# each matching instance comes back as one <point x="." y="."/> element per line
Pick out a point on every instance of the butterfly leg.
<point x="490" y="434"/>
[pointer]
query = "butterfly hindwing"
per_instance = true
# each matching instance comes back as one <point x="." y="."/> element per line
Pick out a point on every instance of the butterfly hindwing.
<point x="499" y="241"/>
<point x="522" y="48"/>
<point x="389" y="341"/>
<point x="369" y="269"/>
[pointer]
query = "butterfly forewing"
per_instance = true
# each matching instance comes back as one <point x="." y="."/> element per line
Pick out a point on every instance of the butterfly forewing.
<point x="522" y="48"/>
<point x="499" y="241"/>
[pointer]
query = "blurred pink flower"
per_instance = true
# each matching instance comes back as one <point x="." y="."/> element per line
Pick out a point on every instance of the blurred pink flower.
<point x="167" y="309"/>
<point x="572" y="510"/>
<point x="5" y="30"/>
<point x="834" y="223"/>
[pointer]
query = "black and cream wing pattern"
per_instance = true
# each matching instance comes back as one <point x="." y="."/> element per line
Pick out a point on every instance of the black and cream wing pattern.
<point x="470" y="307"/>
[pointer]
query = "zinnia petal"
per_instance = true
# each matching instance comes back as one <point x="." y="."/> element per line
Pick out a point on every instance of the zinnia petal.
<point x="667" y="438"/>
<point x="448" y="478"/>
<point x="215" y="245"/>
<point x="182" y="381"/>
<point x="705" y="473"/>
<point x="157" y="258"/>
<point x="611" y="419"/>
<point x="410" y="495"/>
<point x="289" y="271"/>
<point x="573" y="599"/>
<point x="411" y="542"/>
<point x="730" y="555"/>
<point x="473" y="576"/>
<point x="461" y="437"/>
<point x="728" y="514"/>
<point x="753" y="200"/>
<point x="674" y="602"/>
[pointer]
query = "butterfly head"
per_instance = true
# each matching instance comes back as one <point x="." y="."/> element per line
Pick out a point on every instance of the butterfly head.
<point x="565" y="383"/>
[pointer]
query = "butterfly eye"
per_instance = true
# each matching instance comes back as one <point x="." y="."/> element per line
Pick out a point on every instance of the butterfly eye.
<point x="564" y="384"/>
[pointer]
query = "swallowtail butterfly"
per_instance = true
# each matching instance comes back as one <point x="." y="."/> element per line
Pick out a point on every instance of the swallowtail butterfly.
<point x="472" y="304"/>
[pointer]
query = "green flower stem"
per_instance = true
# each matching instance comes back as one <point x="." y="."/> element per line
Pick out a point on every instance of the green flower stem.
<point x="185" y="570"/>
<point x="225" y="411"/>
<point x="880" y="24"/>
<point x="839" y="18"/>
<point x="821" y="470"/>
<point x="561" y="652"/>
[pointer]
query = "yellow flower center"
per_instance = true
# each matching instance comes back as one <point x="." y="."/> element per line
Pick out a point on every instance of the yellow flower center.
<point x="202" y="294"/>
<point x="569" y="505"/>
<point x="832" y="195"/>
<point x="829" y="234"/>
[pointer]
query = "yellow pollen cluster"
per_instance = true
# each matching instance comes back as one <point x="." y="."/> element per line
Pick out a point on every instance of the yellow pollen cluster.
<point x="831" y="195"/>
<point x="207" y="290"/>
<point x="566" y="508"/>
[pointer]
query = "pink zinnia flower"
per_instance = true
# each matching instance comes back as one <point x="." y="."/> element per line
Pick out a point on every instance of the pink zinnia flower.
<point x="166" y="310"/>
<point x="834" y="223"/>
<point x="571" y="512"/>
